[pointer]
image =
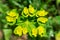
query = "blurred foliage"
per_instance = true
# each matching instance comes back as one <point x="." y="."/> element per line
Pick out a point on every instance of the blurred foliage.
<point x="52" y="26"/>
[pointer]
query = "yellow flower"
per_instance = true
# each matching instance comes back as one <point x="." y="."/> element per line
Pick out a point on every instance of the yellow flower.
<point x="25" y="10"/>
<point x="41" y="13"/>
<point x="18" y="30"/>
<point x="34" y="32"/>
<point x="42" y="19"/>
<point x="25" y="31"/>
<point x="10" y="19"/>
<point x="41" y="31"/>
<point x="12" y="13"/>
<point x="31" y="9"/>
<point x="57" y="36"/>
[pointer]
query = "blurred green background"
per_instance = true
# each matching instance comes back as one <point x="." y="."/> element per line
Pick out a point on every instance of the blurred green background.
<point x="52" y="6"/>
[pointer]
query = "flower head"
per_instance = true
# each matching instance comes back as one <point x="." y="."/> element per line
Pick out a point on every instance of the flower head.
<point x="57" y="36"/>
<point x="25" y="31"/>
<point x="34" y="32"/>
<point x="41" y="13"/>
<point x="10" y="19"/>
<point x="42" y="19"/>
<point x="18" y="30"/>
<point x="25" y="10"/>
<point x="13" y="13"/>
<point x="41" y="31"/>
<point x="31" y="9"/>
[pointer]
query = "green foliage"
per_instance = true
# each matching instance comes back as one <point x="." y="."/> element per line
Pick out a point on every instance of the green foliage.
<point x="57" y="20"/>
<point x="7" y="33"/>
<point x="3" y="8"/>
<point x="30" y="21"/>
<point x="57" y="2"/>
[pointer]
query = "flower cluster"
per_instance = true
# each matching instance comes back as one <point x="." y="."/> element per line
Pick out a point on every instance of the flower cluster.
<point x="28" y="11"/>
<point x="12" y="16"/>
<point x="32" y="12"/>
<point x="41" y="14"/>
<point x="40" y="31"/>
<point x="20" y="30"/>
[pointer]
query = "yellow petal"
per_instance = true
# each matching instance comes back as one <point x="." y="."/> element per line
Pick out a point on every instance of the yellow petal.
<point x="42" y="19"/>
<point x="18" y="30"/>
<point x="25" y="31"/>
<point x="10" y="19"/>
<point x="31" y="9"/>
<point x="34" y="32"/>
<point x="25" y="10"/>
<point x="42" y="13"/>
<point x="41" y="31"/>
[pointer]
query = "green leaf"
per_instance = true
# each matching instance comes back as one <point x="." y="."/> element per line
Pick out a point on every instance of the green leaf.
<point x="57" y="2"/>
<point x="48" y="1"/>
<point x="3" y="8"/>
<point x="57" y="20"/>
<point x="7" y="33"/>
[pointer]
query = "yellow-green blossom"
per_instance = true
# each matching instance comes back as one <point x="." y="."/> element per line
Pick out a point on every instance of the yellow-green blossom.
<point x="10" y="19"/>
<point x="41" y="31"/>
<point x="12" y="13"/>
<point x="41" y="13"/>
<point x="42" y="19"/>
<point x="25" y="31"/>
<point x="25" y="10"/>
<point x="34" y="32"/>
<point x="57" y="36"/>
<point x="18" y="30"/>
<point x="31" y="9"/>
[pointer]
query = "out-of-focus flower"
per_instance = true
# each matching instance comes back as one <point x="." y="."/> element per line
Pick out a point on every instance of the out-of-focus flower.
<point x="42" y="19"/>
<point x="13" y="13"/>
<point x="25" y="31"/>
<point x="57" y="36"/>
<point x="31" y="9"/>
<point x="41" y="13"/>
<point x="25" y="10"/>
<point x="10" y="19"/>
<point x="18" y="30"/>
<point x="41" y="31"/>
<point x="34" y="32"/>
<point x="28" y="11"/>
